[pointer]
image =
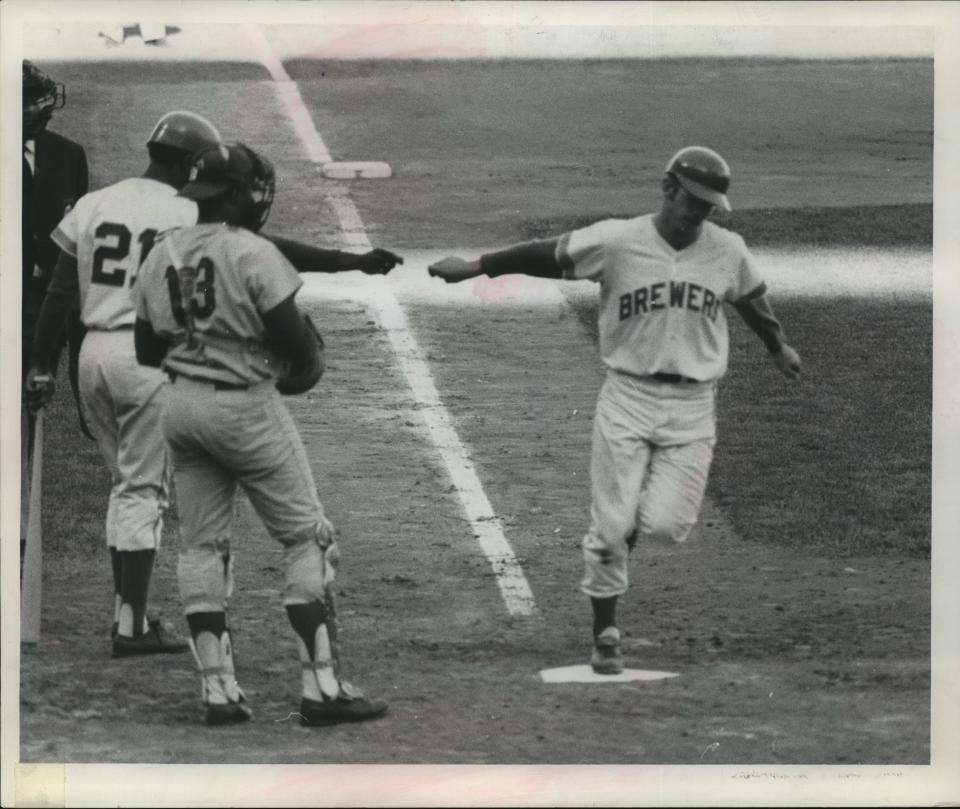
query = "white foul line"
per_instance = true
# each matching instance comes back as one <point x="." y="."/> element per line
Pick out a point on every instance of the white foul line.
<point x="486" y="525"/>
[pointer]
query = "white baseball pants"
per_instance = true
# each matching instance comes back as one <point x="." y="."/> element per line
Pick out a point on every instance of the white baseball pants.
<point x="122" y="405"/>
<point x="652" y="449"/>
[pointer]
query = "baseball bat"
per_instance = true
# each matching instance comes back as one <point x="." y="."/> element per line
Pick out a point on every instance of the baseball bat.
<point x="30" y="587"/>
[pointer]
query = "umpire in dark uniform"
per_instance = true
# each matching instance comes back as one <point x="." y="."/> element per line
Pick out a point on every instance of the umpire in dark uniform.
<point x="55" y="176"/>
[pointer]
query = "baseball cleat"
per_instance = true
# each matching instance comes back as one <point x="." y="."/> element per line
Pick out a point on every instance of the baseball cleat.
<point x="232" y="713"/>
<point x="606" y="657"/>
<point x="344" y="708"/>
<point x="156" y="641"/>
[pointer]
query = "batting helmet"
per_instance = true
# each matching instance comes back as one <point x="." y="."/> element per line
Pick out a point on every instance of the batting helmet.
<point x="702" y="173"/>
<point x="41" y="96"/>
<point x="238" y="169"/>
<point x="184" y="131"/>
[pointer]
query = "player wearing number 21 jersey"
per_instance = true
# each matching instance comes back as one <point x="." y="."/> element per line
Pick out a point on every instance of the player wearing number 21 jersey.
<point x="103" y="240"/>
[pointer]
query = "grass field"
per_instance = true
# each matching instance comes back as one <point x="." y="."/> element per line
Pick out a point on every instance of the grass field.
<point x="800" y="619"/>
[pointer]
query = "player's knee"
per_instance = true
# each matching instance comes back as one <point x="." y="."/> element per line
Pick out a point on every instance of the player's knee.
<point x="598" y="550"/>
<point x="665" y="528"/>
<point x="604" y="577"/>
<point x="200" y="575"/>
<point x="605" y="565"/>
<point x="304" y="568"/>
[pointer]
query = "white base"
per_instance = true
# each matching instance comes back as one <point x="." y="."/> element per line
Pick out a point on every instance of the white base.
<point x="357" y="170"/>
<point x="585" y="674"/>
<point x="152" y="32"/>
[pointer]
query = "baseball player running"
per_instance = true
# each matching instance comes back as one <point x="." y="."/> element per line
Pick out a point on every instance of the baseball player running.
<point x="103" y="241"/>
<point x="663" y="339"/>
<point x="216" y="310"/>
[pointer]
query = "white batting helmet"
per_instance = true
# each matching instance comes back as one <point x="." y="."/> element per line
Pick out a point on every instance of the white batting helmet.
<point x="702" y="173"/>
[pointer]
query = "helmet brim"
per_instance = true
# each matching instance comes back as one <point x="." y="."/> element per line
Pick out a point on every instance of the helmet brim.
<point x="701" y="191"/>
<point x="202" y="190"/>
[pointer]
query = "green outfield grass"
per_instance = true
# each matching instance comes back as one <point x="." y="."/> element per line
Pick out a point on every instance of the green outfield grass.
<point x="839" y="464"/>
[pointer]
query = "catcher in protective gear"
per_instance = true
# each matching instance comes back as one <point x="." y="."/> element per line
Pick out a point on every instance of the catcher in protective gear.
<point x="219" y="300"/>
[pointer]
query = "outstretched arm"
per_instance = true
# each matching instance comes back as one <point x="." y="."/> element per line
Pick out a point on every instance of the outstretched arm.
<point x="537" y="258"/>
<point x="757" y="313"/>
<point x="307" y="258"/>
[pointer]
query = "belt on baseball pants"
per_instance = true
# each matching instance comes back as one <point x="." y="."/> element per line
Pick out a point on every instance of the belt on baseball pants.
<point x="675" y="379"/>
<point x="215" y="383"/>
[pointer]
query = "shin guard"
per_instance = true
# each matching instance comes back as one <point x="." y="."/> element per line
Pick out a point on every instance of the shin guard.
<point x="214" y="656"/>
<point x="316" y="647"/>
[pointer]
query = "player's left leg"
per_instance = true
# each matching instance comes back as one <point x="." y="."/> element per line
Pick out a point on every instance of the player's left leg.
<point x="101" y="418"/>
<point x="680" y="464"/>
<point x="141" y="497"/>
<point x="279" y="483"/>
<point x="674" y="490"/>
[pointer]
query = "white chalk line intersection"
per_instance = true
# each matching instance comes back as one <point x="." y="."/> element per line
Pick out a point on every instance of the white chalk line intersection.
<point x="486" y="526"/>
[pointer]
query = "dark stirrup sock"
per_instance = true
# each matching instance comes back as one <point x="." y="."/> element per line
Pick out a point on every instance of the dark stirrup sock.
<point x="604" y="613"/>
<point x="136" y="568"/>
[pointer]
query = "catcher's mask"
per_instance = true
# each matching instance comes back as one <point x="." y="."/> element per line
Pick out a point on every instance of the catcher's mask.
<point x="41" y="96"/>
<point x="703" y="173"/>
<point x="239" y="170"/>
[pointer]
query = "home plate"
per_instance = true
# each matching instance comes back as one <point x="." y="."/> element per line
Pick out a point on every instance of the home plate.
<point x="357" y="170"/>
<point x="585" y="674"/>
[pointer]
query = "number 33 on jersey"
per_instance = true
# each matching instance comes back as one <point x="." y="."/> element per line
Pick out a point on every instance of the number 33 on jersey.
<point x="110" y="232"/>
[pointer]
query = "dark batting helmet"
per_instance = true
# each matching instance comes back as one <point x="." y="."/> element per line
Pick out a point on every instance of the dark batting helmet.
<point x="185" y="132"/>
<point x="702" y="173"/>
<point x="41" y="96"/>
<point x="239" y="170"/>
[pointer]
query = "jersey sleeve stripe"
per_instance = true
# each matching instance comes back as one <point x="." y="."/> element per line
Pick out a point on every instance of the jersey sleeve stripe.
<point x="563" y="255"/>
<point x="756" y="292"/>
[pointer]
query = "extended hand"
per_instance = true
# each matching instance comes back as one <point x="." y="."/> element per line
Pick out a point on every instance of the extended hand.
<point x="38" y="389"/>
<point x="378" y="261"/>
<point x="788" y="361"/>
<point x="326" y="533"/>
<point x="452" y="269"/>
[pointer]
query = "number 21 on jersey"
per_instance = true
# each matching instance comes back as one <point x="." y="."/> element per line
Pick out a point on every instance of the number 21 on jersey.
<point x="113" y="242"/>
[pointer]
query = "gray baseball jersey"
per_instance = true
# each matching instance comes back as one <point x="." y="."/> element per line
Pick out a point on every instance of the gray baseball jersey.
<point x="205" y="288"/>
